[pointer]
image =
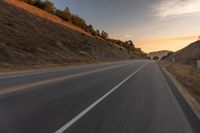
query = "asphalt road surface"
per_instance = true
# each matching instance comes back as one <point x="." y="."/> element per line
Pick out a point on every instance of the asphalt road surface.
<point x="120" y="97"/>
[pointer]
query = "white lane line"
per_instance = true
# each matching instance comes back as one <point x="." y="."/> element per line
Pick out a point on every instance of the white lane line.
<point x="71" y="122"/>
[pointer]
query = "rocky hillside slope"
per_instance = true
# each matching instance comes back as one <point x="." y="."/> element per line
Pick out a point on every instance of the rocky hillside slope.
<point x="32" y="38"/>
<point x="188" y="55"/>
<point x="185" y="71"/>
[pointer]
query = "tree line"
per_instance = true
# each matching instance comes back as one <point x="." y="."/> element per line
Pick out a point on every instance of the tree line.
<point x="66" y="15"/>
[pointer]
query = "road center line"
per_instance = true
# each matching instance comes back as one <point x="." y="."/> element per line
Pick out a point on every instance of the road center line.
<point x="71" y="122"/>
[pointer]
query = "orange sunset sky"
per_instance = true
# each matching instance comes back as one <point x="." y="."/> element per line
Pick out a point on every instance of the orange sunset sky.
<point x="151" y="24"/>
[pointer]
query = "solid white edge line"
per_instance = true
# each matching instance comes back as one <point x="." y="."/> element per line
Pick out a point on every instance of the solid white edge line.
<point x="71" y="122"/>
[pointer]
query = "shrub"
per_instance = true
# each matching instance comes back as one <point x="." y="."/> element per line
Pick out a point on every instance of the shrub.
<point x="104" y="35"/>
<point x="155" y="57"/>
<point x="164" y="57"/>
<point x="48" y="6"/>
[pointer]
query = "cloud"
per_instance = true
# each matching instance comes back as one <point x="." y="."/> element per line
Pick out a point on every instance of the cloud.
<point x="166" y="8"/>
<point x="175" y="38"/>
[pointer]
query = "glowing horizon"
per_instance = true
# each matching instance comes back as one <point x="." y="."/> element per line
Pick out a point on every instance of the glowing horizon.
<point x="173" y="44"/>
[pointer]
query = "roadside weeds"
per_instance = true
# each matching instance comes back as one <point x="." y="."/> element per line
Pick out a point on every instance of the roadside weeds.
<point x="191" y="101"/>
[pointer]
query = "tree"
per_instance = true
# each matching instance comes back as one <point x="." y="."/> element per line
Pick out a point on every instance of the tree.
<point x="67" y="9"/>
<point x="48" y="6"/>
<point x="37" y="3"/>
<point x="66" y="16"/>
<point x="166" y="56"/>
<point x="155" y="57"/>
<point x="104" y="35"/>
<point x="98" y="33"/>
<point x="76" y="20"/>
<point x="58" y="13"/>
<point x="170" y="53"/>
<point x="129" y="46"/>
<point x="91" y="30"/>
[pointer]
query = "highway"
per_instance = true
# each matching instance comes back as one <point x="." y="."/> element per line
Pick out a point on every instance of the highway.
<point x="131" y="96"/>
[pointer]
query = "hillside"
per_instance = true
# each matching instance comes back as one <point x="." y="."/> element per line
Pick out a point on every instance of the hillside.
<point x="32" y="38"/>
<point x="188" y="55"/>
<point x="185" y="71"/>
<point x="159" y="54"/>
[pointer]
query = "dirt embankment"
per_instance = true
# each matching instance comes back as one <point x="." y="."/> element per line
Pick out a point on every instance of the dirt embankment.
<point x="188" y="55"/>
<point x="31" y="38"/>
<point x="189" y="78"/>
<point x="185" y="71"/>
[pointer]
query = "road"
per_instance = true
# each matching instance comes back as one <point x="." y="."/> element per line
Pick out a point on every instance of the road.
<point x="120" y="97"/>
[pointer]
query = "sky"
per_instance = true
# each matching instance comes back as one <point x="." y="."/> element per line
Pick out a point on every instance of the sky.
<point x="152" y="25"/>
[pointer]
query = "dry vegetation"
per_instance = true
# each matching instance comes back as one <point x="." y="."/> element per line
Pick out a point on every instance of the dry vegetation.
<point x="187" y="75"/>
<point x="184" y="68"/>
<point x="31" y="38"/>
<point x="44" y="14"/>
<point x="188" y="55"/>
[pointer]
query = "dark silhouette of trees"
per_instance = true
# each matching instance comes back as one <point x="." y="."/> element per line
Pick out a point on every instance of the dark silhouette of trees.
<point x="155" y="57"/>
<point x="104" y="35"/>
<point x="98" y="33"/>
<point x="76" y="20"/>
<point x="48" y="6"/>
<point x="44" y="5"/>
<point x="166" y="56"/>
<point x="67" y="9"/>
<point x="91" y="30"/>
<point x="170" y="53"/>
<point x="129" y="45"/>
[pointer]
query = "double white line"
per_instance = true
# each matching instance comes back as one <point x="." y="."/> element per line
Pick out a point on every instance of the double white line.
<point x="71" y="122"/>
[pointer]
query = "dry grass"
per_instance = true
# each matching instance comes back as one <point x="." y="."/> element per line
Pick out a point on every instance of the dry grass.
<point x="31" y="38"/>
<point x="187" y="75"/>
<point x="188" y="55"/>
<point x="40" y="13"/>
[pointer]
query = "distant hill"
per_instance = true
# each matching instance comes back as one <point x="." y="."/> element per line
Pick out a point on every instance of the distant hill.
<point x="188" y="55"/>
<point x="159" y="54"/>
<point x="31" y="37"/>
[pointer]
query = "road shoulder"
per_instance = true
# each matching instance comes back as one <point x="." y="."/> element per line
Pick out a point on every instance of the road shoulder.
<point x="188" y="104"/>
